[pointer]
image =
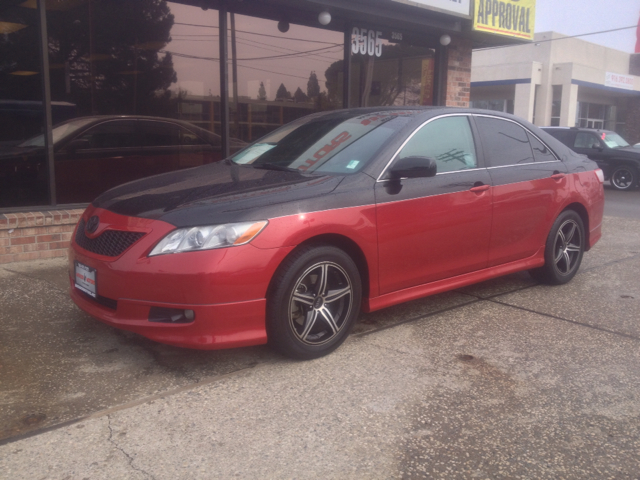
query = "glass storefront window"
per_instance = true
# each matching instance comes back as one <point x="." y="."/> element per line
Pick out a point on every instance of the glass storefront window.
<point x="141" y="80"/>
<point x="120" y="69"/>
<point x="23" y="168"/>
<point x="385" y="71"/>
<point x="283" y="72"/>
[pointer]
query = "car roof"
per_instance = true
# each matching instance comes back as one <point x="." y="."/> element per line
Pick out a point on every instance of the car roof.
<point x="579" y="129"/>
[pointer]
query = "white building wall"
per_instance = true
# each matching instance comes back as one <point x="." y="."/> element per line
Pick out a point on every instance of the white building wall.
<point x="551" y="60"/>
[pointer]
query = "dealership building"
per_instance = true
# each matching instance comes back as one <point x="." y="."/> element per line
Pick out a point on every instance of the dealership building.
<point x="236" y="68"/>
<point x="560" y="81"/>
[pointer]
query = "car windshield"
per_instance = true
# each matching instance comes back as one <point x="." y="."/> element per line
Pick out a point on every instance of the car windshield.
<point x="613" y="140"/>
<point x="337" y="143"/>
<point x="59" y="132"/>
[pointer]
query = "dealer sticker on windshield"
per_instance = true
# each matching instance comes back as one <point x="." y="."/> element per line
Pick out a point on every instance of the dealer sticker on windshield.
<point x="85" y="279"/>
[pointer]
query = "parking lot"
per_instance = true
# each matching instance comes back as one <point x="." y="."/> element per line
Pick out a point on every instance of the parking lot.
<point x="504" y="379"/>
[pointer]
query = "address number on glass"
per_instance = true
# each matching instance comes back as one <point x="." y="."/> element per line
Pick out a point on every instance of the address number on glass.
<point x="366" y="42"/>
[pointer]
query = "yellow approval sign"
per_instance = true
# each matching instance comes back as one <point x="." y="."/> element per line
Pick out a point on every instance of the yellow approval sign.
<point x="512" y="18"/>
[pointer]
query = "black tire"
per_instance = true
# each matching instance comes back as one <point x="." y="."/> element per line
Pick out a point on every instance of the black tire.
<point x="563" y="250"/>
<point x="313" y="302"/>
<point x="624" y="177"/>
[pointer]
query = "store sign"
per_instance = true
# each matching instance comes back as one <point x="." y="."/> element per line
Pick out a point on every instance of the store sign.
<point x="366" y="42"/>
<point x="617" y="80"/>
<point x="461" y="7"/>
<point x="511" y="18"/>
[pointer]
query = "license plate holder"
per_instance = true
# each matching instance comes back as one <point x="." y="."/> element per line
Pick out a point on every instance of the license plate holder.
<point x="86" y="279"/>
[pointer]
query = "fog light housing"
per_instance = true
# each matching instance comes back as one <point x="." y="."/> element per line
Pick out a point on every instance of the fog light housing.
<point x="171" y="315"/>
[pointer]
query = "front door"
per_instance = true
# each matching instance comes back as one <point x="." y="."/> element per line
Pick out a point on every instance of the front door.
<point x="438" y="227"/>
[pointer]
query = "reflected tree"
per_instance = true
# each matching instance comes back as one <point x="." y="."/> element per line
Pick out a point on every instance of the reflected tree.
<point x="106" y="56"/>
<point x="262" y="92"/>
<point x="283" y="93"/>
<point x="299" y="96"/>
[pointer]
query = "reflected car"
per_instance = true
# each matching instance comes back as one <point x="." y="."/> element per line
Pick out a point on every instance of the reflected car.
<point x="286" y="241"/>
<point x="619" y="161"/>
<point x="94" y="154"/>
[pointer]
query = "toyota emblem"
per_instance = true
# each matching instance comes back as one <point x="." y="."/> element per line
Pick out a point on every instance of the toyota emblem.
<point x="92" y="224"/>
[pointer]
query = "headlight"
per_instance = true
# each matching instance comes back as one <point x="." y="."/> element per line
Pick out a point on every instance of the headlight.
<point x="207" y="238"/>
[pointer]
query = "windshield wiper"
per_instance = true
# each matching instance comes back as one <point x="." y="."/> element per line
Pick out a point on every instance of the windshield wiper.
<point x="274" y="166"/>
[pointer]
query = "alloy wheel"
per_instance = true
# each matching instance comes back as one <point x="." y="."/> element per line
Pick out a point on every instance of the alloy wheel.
<point x="320" y="303"/>
<point x="568" y="247"/>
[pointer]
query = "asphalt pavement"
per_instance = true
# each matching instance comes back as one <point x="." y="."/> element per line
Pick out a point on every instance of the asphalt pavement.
<point x="504" y="379"/>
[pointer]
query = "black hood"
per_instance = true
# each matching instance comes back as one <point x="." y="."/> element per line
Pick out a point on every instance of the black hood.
<point x="217" y="193"/>
<point x="629" y="153"/>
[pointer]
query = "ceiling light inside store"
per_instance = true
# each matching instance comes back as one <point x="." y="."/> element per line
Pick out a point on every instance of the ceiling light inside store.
<point x="23" y="73"/>
<point x="8" y="27"/>
<point x="283" y="26"/>
<point x="324" y="18"/>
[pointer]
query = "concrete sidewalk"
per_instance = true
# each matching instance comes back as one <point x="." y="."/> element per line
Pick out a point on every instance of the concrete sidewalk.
<point x="505" y="379"/>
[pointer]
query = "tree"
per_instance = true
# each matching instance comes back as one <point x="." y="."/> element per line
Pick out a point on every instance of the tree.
<point x="313" y="87"/>
<point x="125" y="70"/>
<point x="262" y="93"/>
<point x="300" y="97"/>
<point x="283" y="93"/>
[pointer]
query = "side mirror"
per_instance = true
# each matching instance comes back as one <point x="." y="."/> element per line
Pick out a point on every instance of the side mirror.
<point x="597" y="146"/>
<point x="413" y="167"/>
<point x="78" y="144"/>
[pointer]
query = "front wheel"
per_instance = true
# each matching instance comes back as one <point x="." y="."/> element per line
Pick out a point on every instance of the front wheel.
<point x="313" y="302"/>
<point x="624" y="177"/>
<point x="563" y="250"/>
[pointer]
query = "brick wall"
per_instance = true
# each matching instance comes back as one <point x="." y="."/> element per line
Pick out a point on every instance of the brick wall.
<point x="32" y="236"/>
<point x="458" y="75"/>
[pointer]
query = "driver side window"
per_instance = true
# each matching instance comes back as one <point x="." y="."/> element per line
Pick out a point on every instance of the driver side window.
<point x="586" y="140"/>
<point x="448" y="140"/>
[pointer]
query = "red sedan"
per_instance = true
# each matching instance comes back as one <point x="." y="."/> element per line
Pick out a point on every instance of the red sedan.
<point x="287" y="240"/>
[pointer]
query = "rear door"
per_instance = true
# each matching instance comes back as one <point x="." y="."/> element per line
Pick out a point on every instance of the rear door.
<point x="528" y="185"/>
<point x="438" y="227"/>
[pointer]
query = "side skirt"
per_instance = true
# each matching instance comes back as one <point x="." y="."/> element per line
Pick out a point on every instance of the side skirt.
<point x="419" y="291"/>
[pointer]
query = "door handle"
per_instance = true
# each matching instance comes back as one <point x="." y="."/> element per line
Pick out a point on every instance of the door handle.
<point x="480" y="188"/>
<point x="558" y="176"/>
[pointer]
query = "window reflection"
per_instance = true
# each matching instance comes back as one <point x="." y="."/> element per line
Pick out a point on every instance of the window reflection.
<point x="388" y="73"/>
<point x="23" y="177"/>
<point x="281" y="76"/>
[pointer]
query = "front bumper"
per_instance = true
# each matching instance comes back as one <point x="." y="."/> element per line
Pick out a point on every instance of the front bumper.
<point x="215" y="326"/>
<point x="225" y="288"/>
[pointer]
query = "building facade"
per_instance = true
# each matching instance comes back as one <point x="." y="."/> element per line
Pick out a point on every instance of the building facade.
<point x="236" y="69"/>
<point x="559" y="81"/>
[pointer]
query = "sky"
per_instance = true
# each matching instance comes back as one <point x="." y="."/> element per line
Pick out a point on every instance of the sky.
<point x="576" y="17"/>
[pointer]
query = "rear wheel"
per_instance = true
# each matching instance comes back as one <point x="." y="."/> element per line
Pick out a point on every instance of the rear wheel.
<point x="313" y="303"/>
<point x="624" y="177"/>
<point x="563" y="250"/>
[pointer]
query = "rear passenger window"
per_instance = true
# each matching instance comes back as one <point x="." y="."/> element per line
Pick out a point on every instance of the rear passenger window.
<point x="159" y="134"/>
<point x="448" y="140"/>
<point x="540" y="151"/>
<point x="115" y="134"/>
<point x="504" y="142"/>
